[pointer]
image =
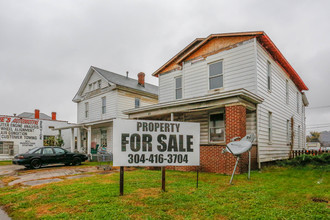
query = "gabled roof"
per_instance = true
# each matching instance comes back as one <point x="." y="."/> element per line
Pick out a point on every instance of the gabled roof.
<point x="119" y="80"/>
<point x="263" y="39"/>
<point x="31" y="115"/>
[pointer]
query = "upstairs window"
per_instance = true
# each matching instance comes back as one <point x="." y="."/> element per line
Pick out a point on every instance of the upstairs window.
<point x="137" y="102"/>
<point x="270" y="127"/>
<point x="216" y="75"/>
<point x="287" y="91"/>
<point x="298" y="102"/>
<point x="217" y="127"/>
<point x="90" y="87"/>
<point x="99" y="84"/>
<point x="269" y="76"/>
<point x="104" y="103"/>
<point x="178" y="87"/>
<point x="86" y="110"/>
<point x="299" y="136"/>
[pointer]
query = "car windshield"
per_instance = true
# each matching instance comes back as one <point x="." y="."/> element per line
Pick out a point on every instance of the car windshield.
<point x="32" y="150"/>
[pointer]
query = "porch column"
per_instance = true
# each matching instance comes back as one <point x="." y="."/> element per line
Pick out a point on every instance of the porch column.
<point x="235" y="127"/>
<point x="72" y="140"/>
<point x="89" y="139"/>
<point x="235" y="121"/>
<point x="79" y="140"/>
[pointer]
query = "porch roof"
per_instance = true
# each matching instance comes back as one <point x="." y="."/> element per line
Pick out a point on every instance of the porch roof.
<point x="83" y="125"/>
<point x="198" y="103"/>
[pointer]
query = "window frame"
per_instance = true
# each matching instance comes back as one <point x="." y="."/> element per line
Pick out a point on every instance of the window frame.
<point x="103" y="105"/>
<point x="218" y="75"/>
<point x="86" y="109"/>
<point x="270" y="127"/>
<point x="224" y="127"/>
<point x="287" y="89"/>
<point x="269" y="76"/>
<point x="137" y="100"/>
<point x="288" y="131"/>
<point x="180" y="88"/>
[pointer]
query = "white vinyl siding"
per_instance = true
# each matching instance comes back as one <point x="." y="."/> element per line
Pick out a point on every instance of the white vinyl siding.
<point x="299" y="136"/>
<point x="95" y="82"/>
<point x="275" y="102"/>
<point x="239" y="71"/>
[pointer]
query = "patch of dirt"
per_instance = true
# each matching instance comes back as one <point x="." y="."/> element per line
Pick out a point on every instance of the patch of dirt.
<point x="8" y="179"/>
<point x="314" y="199"/>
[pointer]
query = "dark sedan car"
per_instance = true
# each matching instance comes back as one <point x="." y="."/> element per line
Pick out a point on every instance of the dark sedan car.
<point x="39" y="156"/>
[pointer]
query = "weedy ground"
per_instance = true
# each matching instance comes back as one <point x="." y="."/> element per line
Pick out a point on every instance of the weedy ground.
<point x="272" y="193"/>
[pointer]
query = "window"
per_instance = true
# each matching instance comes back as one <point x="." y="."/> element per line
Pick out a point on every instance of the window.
<point x="216" y="75"/>
<point x="288" y="131"/>
<point x="217" y="127"/>
<point x="48" y="150"/>
<point x="99" y="84"/>
<point x="59" y="150"/>
<point x="299" y="136"/>
<point x="86" y="110"/>
<point x="4" y="148"/>
<point x="270" y="127"/>
<point x="104" y="138"/>
<point x="137" y="102"/>
<point x="104" y="104"/>
<point x="178" y="87"/>
<point x="298" y="102"/>
<point x="287" y="91"/>
<point x="269" y="76"/>
<point x="90" y="87"/>
<point x="49" y="140"/>
<point x="94" y="85"/>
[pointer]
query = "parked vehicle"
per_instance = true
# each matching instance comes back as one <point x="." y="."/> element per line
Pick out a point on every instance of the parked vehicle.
<point x="39" y="156"/>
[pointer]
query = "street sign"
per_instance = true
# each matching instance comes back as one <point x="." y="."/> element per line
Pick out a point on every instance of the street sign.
<point x="155" y="143"/>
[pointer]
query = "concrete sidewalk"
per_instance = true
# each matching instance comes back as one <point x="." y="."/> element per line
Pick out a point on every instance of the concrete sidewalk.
<point x="3" y="215"/>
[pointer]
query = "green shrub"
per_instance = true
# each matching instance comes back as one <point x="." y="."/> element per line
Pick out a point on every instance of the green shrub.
<point x="306" y="159"/>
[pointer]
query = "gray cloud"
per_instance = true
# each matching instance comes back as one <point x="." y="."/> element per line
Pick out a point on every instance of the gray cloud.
<point x="46" y="47"/>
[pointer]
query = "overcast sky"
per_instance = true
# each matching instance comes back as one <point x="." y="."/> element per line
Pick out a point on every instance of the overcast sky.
<point x="47" y="47"/>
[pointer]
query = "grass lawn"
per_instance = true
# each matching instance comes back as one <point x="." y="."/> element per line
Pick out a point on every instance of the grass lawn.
<point x="273" y="193"/>
<point x="6" y="162"/>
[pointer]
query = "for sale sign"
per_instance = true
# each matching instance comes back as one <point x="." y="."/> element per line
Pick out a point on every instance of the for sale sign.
<point x="155" y="143"/>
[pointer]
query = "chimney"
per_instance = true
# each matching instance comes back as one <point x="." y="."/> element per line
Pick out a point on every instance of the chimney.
<point x="54" y="116"/>
<point x="141" y="78"/>
<point x="36" y="113"/>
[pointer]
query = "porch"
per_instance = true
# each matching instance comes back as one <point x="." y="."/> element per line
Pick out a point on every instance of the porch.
<point x="222" y="116"/>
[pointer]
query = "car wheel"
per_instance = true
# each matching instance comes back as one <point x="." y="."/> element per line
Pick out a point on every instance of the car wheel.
<point x="35" y="164"/>
<point x="76" y="161"/>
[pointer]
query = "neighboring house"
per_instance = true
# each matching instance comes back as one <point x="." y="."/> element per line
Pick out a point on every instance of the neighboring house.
<point x="325" y="139"/>
<point x="102" y="97"/>
<point x="233" y="84"/>
<point x="20" y="133"/>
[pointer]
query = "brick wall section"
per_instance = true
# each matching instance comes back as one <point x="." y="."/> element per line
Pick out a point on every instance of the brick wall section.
<point x="211" y="157"/>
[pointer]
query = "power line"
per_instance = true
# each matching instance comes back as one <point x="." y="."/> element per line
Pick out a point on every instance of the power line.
<point x="318" y="107"/>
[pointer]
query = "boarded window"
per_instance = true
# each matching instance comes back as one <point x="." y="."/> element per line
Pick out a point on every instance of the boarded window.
<point x="137" y="102"/>
<point x="178" y="87"/>
<point x="104" y="103"/>
<point x="216" y="75"/>
<point x="217" y="127"/>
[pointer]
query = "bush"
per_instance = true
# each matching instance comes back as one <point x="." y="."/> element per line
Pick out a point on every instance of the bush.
<point x="306" y="159"/>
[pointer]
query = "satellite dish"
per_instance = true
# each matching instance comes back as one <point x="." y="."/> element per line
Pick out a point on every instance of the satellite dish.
<point x="239" y="147"/>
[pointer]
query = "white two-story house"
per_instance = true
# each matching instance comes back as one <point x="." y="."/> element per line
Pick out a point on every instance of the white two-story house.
<point x="233" y="84"/>
<point x="102" y="97"/>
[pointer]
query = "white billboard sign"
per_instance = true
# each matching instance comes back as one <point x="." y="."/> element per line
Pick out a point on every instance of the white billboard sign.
<point x="155" y="143"/>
